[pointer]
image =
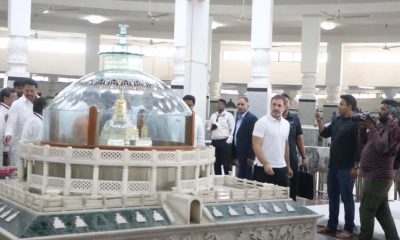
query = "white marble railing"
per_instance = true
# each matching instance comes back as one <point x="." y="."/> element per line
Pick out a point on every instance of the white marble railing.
<point x="61" y="203"/>
<point x="100" y="160"/>
<point x="245" y="190"/>
<point x="118" y="157"/>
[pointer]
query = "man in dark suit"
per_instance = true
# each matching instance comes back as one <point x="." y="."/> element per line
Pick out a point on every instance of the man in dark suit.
<point x="242" y="148"/>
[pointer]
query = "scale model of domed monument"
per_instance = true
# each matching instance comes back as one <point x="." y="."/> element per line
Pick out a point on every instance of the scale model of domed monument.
<point x="117" y="161"/>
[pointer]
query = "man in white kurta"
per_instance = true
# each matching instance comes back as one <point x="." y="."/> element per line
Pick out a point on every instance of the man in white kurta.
<point x="2" y="127"/>
<point x="7" y="97"/>
<point x="18" y="114"/>
<point x="32" y="131"/>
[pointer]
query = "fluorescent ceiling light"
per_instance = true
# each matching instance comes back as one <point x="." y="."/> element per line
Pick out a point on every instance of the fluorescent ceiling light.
<point x="95" y="19"/>
<point x="328" y="25"/>
<point x="216" y="25"/>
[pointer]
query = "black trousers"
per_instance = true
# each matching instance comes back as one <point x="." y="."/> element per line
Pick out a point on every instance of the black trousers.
<point x="279" y="178"/>
<point x="222" y="156"/>
<point x="6" y="161"/>
<point x="293" y="182"/>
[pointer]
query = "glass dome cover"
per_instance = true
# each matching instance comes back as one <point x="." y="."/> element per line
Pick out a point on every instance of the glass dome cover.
<point x="118" y="107"/>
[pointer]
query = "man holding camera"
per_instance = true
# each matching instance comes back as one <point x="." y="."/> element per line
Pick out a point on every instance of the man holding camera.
<point x="221" y="125"/>
<point x="381" y="145"/>
<point x="343" y="165"/>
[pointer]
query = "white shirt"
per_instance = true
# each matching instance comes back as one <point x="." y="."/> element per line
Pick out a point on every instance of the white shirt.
<point x="199" y="138"/>
<point x="176" y="125"/>
<point x="2" y="127"/>
<point x="18" y="114"/>
<point x="274" y="134"/>
<point x="3" y="112"/>
<point x="4" y="109"/>
<point x="32" y="131"/>
<point x="225" y="125"/>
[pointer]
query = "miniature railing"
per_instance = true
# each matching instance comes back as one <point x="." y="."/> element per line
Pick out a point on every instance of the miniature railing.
<point x="250" y="190"/>
<point x="47" y="203"/>
<point x="201" y="159"/>
<point x="99" y="156"/>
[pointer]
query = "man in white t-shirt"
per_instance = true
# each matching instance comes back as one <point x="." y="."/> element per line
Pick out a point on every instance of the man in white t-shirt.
<point x="271" y="146"/>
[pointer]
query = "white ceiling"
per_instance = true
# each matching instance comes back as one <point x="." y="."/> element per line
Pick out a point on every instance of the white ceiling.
<point x="287" y="18"/>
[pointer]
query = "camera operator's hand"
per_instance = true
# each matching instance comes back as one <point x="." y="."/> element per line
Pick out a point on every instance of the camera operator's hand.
<point x="354" y="173"/>
<point x="367" y="123"/>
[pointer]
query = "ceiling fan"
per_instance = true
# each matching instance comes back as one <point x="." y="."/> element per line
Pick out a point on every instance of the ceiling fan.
<point x="386" y="47"/>
<point x="151" y="42"/>
<point x="337" y="17"/>
<point x="242" y="17"/>
<point x="154" y="17"/>
<point x="51" y="9"/>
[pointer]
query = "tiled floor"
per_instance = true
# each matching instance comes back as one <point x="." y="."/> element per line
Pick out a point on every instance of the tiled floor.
<point x="321" y="199"/>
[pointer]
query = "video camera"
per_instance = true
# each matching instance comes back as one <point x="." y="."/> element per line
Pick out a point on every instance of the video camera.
<point x="366" y="115"/>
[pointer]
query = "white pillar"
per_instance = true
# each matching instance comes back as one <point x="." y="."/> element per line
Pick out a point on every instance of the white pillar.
<point x="178" y="178"/>
<point x="154" y="179"/>
<point x="92" y="50"/>
<point x="196" y="177"/>
<point x="19" y="28"/>
<point x="390" y="92"/>
<point x="125" y="174"/>
<point x="259" y="88"/>
<point x="292" y="94"/>
<point x="45" y="176"/>
<point x="197" y="53"/>
<point x="215" y="84"/>
<point x="20" y="169"/>
<point x="29" y="172"/>
<point x="333" y="79"/>
<point x="311" y="34"/>
<point x="179" y="43"/>
<point x="67" y="183"/>
<point x="52" y="90"/>
<point x="95" y="183"/>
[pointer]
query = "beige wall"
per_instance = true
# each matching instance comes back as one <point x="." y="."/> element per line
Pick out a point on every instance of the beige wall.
<point x="381" y="74"/>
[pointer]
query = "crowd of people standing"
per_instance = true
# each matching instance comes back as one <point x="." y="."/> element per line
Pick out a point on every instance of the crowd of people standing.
<point x="267" y="150"/>
<point x="21" y="112"/>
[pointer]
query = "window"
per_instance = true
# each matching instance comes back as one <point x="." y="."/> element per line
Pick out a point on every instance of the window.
<point x="54" y="46"/>
<point x="40" y="78"/>
<point x="229" y="91"/>
<point x="375" y="57"/>
<point x="66" y="79"/>
<point x="242" y="56"/>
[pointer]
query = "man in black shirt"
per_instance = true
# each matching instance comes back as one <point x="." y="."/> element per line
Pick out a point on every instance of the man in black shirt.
<point x="295" y="140"/>
<point x="343" y="165"/>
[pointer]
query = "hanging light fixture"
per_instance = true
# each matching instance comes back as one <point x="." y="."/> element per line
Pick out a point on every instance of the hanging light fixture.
<point x="328" y="24"/>
<point x="95" y="19"/>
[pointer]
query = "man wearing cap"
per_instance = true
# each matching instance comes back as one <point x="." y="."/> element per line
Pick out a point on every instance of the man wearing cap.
<point x="221" y="126"/>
